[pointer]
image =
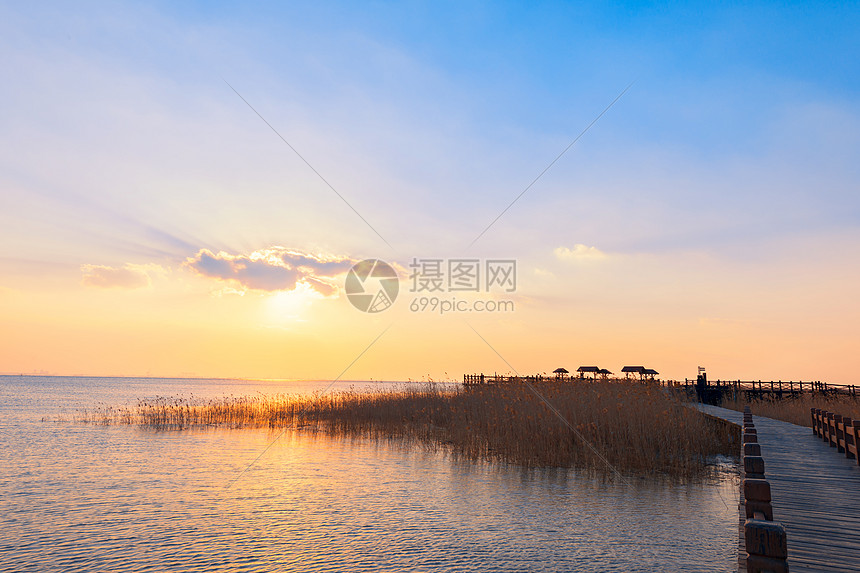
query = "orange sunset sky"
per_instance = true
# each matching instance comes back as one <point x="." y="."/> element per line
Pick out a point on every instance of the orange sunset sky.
<point x="154" y="224"/>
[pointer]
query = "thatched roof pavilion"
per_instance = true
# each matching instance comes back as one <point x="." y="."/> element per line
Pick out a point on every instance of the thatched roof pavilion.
<point x="628" y="370"/>
<point x="583" y="370"/>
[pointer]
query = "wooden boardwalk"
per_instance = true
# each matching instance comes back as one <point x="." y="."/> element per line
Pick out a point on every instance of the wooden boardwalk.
<point x="816" y="494"/>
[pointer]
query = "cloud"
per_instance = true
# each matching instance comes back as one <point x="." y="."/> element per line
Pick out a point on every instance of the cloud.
<point x="579" y="252"/>
<point x="322" y="287"/>
<point x="129" y="276"/>
<point x="272" y="269"/>
<point x="228" y="290"/>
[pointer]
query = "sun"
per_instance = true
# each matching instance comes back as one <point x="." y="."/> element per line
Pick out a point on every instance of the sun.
<point x="285" y="307"/>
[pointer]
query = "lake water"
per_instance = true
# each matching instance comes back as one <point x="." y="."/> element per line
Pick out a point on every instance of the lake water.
<point x="79" y="497"/>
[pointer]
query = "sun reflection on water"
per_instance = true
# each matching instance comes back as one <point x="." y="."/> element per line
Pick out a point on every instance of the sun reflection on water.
<point x="126" y="499"/>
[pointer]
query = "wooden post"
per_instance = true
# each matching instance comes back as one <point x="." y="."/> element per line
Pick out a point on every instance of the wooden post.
<point x="856" y="431"/>
<point x="848" y="436"/>
<point x="831" y="430"/>
<point x="839" y="433"/>
<point x="757" y="498"/>
<point x="766" y="546"/>
<point x="751" y="449"/>
<point x="754" y="469"/>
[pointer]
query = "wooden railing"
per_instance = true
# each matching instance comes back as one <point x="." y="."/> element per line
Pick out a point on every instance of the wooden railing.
<point x="777" y="388"/>
<point x="749" y="388"/>
<point x="473" y="379"/>
<point x="765" y="540"/>
<point x="840" y="432"/>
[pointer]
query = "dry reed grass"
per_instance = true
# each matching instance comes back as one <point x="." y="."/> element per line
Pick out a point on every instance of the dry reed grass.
<point x="640" y="429"/>
<point x="797" y="409"/>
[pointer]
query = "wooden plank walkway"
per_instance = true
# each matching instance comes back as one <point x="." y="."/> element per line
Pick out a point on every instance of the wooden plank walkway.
<point x="816" y="494"/>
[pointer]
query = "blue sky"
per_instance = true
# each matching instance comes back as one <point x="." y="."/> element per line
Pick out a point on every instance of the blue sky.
<point x="471" y="101"/>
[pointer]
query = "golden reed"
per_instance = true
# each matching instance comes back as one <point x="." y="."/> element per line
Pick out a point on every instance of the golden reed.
<point x="796" y="409"/>
<point x="640" y="429"/>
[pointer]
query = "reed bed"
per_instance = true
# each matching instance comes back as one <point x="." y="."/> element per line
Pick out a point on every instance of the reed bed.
<point x="795" y="409"/>
<point x="639" y="429"/>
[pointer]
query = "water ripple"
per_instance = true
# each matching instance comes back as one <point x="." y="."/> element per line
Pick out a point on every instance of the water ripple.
<point x="85" y="498"/>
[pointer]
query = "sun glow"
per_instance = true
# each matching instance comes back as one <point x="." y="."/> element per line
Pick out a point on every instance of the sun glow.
<point x="283" y="307"/>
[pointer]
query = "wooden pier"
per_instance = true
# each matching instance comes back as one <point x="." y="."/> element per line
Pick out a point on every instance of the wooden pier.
<point x="815" y="491"/>
<point x="478" y="379"/>
<point x="753" y="390"/>
<point x="749" y="389"/>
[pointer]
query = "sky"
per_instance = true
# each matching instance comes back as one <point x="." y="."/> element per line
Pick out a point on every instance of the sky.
<point x="185" y="187"/>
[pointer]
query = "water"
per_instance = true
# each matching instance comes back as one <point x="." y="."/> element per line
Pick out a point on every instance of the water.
<point x="94" y="498"/>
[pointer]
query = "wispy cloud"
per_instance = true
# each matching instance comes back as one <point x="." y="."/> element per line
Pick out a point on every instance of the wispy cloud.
<point x="128" y="276"/>
<point x="273" y="269"/>
<point x="579" y="252"/>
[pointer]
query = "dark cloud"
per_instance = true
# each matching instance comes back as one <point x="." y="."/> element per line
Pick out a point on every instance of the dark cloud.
<point x="320" y="267"/>
<point x="273" y="269"/>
